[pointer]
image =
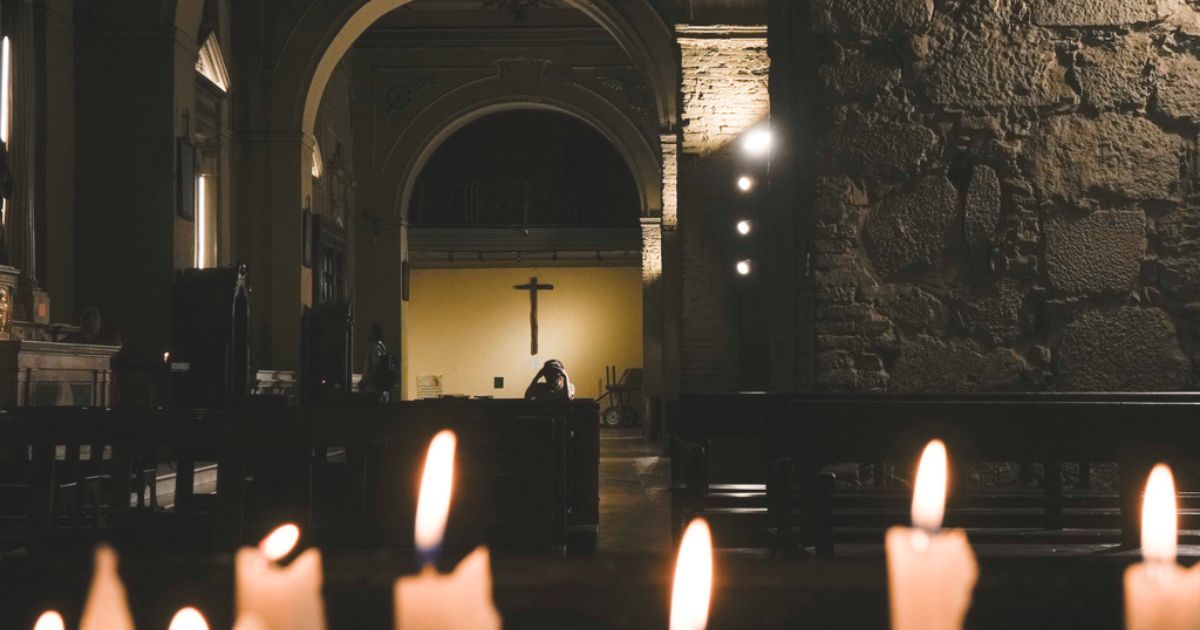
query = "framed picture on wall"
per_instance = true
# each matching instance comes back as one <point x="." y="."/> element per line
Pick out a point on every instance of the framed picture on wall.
<point x="185" y="179"/>
<point x="306" y="238"/>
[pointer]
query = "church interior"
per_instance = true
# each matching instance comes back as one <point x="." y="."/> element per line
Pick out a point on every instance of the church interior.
<point x="599" y="314"/>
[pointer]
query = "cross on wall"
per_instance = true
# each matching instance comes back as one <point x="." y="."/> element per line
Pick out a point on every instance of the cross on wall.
<point x="533" y="287"/>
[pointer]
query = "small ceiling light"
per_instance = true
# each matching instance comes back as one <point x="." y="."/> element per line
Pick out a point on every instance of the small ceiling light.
<point x="743" y="267"/>
<point x="743" y="227"/>
<point x="745" y="183"/>
<point x="757" y="142"/>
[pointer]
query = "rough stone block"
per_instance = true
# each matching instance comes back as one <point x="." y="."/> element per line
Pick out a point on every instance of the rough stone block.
<point x="873" y="18"/>
<point x="881" y="148"/>
<point x="1101" y="253"/>
<point x="988" y="71"/>
<point x="913" y="226"/>
<point x="1117" y="76"/>
<point x="1125" y="156"/>
<point x="997" y="314"/>
<point x="857" y="75"/>
<point x="982" y="211"/>
<point x="912" y="308"/>
<point x="1122" y="349"/>
<point x="1178" y="235"/>
<point x="929" y="364"/>
<point x="1179" y="89"/>
<point x="1093" y="12"/>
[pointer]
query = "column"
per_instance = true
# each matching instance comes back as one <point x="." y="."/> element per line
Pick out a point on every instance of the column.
<point x="724" y="93"/>
<point x="32" y="303"/>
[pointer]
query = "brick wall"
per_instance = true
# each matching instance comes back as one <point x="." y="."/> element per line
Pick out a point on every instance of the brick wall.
<point x="724" y="93"/>
<point x="1008" y="194"/>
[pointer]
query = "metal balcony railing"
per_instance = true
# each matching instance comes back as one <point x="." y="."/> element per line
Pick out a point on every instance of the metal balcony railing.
<point x="559" y="203"/>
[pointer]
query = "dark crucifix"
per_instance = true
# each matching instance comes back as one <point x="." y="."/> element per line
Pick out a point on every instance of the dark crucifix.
<point x="533" y="287"/>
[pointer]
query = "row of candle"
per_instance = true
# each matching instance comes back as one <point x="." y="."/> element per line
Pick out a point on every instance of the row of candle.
<point x="931" y="571"/>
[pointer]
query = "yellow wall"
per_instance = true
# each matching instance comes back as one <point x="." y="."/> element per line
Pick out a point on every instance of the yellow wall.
<point x="470" y="325"/>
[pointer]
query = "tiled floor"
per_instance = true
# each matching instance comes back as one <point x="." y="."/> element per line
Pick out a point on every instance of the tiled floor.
<point x="635" y="502"/>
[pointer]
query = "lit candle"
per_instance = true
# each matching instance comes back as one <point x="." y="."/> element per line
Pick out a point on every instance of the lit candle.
<point x="188" y="619"/>
<point x="692" y="589"/>
<point x="931" y="571"/>
<point x="50" y="620"/>
<point x="462" y="599"/>
<point x="106" y="607"/>
<point x="279" y="597"/>
<point x="1160" y="594"/>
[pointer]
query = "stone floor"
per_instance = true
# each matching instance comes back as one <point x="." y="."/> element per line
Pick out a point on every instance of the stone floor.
<point x="635" y="502"/>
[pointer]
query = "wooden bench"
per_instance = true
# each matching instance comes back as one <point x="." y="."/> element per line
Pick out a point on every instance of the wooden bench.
<point x="801" y="434"/>
<point x="527" y="473"/>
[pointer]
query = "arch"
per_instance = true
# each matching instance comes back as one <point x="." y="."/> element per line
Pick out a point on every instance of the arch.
<point x="186" y="16"/>
<point x="472" y="101"/>
<point x="327" y="30"/>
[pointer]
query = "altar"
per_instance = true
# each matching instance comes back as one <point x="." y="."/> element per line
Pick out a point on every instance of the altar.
<point x="55" y="374"/>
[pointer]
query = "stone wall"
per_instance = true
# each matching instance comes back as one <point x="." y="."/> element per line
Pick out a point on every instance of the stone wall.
<point x="1008" y="194"/>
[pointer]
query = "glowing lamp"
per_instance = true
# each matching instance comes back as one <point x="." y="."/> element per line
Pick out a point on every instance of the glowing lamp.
<point x="757" y="142"/>
<point x="745" y="183"/>
<point x="280" y="542"/>
<point x="929" y="495"/>
<point x="50" y="620"/>
<point x="744" y="227"/>
<point x="437" y="482"/>
<point x="188" y="619"/>
<point x="692" y="590"/>
<point x="744" y="267"/>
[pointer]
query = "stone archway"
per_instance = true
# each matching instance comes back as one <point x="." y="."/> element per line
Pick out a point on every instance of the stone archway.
<point x="468" y="103"/>
<point x="426" y="131"/>
<point x="301" y="45"/>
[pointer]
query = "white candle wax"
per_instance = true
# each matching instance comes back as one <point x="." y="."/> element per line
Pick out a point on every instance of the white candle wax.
<point x="107" y="607"/>
<point x="462" y="599"/>
<point x="931" y="573"/>
<point x="279" y="597"/>
<point x="1160" y="594"/>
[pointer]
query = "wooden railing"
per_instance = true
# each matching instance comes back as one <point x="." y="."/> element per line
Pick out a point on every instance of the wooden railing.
<point x="798" y="435"/>
<point x="526" y="473"/>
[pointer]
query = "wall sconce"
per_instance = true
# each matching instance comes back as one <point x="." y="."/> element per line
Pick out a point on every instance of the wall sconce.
<point x="757" y="142"/>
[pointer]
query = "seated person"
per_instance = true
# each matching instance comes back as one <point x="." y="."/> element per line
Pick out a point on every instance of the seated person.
<point x="556" y="387"/>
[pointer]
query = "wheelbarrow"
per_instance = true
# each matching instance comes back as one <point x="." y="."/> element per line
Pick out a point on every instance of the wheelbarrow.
<point x="619" y="394"/>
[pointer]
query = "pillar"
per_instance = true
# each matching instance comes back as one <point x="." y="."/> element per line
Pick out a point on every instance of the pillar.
<point x="32" y="304"/>
<point x="724" y="94"/>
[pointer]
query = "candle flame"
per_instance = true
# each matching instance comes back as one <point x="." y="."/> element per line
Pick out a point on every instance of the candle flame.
<point x="929" y="495"/>
<point x="50" y="620"/>
<point x="280" y="542"/>
<point x="437" y="482"/>
<point x="1160" y="524"/>
<point x="188" y="619"/>
<point x="692" y="590"/>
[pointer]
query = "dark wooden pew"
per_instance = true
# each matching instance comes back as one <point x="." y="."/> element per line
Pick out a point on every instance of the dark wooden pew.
<point x="526" y="475"/>
<point x="805" y="432"/>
